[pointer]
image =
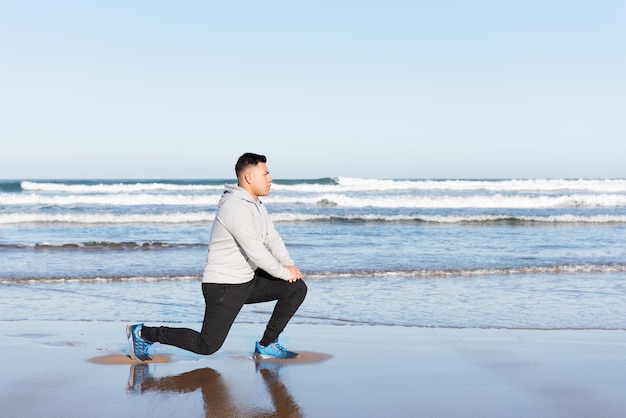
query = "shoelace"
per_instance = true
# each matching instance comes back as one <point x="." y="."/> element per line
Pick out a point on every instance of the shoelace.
<point x="145" y="346"/>
<point x="147" y="349"/>
<point x="280" y="347"/>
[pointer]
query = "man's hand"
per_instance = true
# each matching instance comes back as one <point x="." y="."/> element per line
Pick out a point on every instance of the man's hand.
<point x="294" y="273"/>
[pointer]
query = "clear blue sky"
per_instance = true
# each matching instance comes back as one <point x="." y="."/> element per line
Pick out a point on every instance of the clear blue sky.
<point x="389" y="89"/>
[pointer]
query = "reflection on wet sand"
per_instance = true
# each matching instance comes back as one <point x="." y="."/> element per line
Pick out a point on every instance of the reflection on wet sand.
<point x="217" y="400"/>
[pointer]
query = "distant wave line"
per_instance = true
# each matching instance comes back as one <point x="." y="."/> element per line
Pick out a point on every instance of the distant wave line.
<point x="287" y="217"/>
<point x="122" y="199"/>
<point x="356" y="274"/>
<point x="99" y="279"/>
<point x="328" y="184"/>
<point x="390" y="201"/>
<point x="497" y="201"/>
<point x="474" y="272"/>
<point x="519" y="185"/>
<point x="101" y="245"/>
<point x="454" y="219"/>
<point x="120" y="187"/>
<point x="147" y="186"/>
<point x="169" y="218"/>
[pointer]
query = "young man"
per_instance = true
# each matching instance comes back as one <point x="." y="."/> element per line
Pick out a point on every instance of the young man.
<point x="247" y="263"/>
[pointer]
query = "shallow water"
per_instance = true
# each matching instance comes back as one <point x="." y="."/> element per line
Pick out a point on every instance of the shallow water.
<point x="509" y="253"/>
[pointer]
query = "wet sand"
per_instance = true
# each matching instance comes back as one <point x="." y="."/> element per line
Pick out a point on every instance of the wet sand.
<point x="78" y="369"/>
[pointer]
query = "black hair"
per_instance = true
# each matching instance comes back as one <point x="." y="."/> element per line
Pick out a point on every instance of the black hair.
<point x="247" y="160"/>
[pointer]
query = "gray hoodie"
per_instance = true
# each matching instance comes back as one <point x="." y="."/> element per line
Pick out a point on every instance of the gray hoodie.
<point x="243" y="238"/>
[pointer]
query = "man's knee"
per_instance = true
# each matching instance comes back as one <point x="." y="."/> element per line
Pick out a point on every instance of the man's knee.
<point x="207" y="345"/>
<point x="301" y="289"/>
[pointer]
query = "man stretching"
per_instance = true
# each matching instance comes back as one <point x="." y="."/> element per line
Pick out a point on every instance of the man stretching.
<point x="247" y="263"/>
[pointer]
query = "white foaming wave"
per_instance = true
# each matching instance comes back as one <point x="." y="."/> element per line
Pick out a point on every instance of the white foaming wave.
<point x="555" y="219"/>
<point x="348" y="184"/>
<point x="170" y="218"/>
<point x="529" y="185"/>
<point x="124" y="199"/>
<point x="451" y="219"/>
<point x="549" y="269"/>
<point x="497" y="201"/>
<point x="140" y="279"/>
<point x="338" y="275"/>
<point x="351" y="184"/>
<point x="207" y="217"/>
<point x="356" y="184"/>
<point x="115" y="188"/>
<point x="327" y="199"/>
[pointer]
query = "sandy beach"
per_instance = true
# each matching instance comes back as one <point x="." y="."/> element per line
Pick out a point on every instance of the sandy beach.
<point x="78" y="369"/>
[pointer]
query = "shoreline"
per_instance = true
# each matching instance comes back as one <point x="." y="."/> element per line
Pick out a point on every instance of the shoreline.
<point x="359" y="371"/>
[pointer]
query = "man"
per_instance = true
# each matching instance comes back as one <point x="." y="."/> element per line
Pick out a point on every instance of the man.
<point x="247" y="263"/>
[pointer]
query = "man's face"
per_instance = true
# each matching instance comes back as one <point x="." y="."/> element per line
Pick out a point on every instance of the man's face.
<point x="260" y="180"/>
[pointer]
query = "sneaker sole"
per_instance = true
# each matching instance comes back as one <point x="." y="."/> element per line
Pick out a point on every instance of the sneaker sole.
<point x="131" y="344"/>
<point x="260" y="356"/>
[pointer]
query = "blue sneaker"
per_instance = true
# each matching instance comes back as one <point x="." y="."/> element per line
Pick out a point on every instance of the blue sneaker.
<point x="273" y="350"/>
<point x="139" y="348"/>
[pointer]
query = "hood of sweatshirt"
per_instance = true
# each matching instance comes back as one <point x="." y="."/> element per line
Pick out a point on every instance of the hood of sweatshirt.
<point x="233" y="191"/>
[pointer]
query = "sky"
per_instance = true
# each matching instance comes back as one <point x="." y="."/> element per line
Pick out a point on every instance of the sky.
<point x="374" y="89"/>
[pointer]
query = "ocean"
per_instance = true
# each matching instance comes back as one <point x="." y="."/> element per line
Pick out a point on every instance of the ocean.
<point x="508" y="253"/>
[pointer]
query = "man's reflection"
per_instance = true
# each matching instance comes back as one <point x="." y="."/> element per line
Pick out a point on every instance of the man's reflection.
<point x="217" y="399"/>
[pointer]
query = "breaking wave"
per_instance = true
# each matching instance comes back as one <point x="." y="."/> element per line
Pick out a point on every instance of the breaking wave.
<point x="287" y="217"/>
<point x="356" y="274"/>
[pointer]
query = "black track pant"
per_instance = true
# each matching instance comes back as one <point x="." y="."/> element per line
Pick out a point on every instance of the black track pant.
<point x="223" y="303"/>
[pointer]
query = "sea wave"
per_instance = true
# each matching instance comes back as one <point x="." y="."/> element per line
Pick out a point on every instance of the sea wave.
<point x="474" y="272"/>
<point x="388" y="201"/>
<point x="497" y="201"/>
<point x="66" y="218"/>
<point x="512" y="185"/>
<point x="99" y="279"/>
<point x="134" y="186"/>
<point x="364" y="274"/>
<point x="100" y="245"/>
<point x="122" y="199"/>
<point x="336" y="184"/>
<point x="122" y="187"/>
<point x="10" y="186"/>
<point x="289" y="217"/>
<point x="451" y="219"/>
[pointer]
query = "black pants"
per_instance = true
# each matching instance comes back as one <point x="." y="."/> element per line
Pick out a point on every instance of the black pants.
<point x="223" y="303"/>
